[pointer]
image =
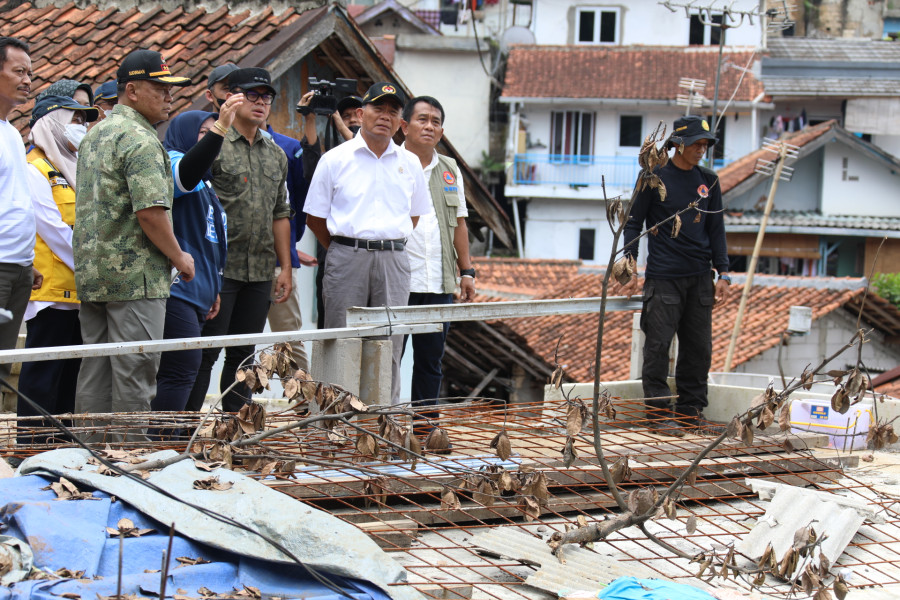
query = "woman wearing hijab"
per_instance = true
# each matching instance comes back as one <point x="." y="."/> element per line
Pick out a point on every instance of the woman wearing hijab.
<point x="193" y="141"/>
<point x="57" y="128"/>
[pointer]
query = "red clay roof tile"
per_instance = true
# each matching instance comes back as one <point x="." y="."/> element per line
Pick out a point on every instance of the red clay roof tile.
<point x="87" y="44"/>
<point x="765" y="318"/>
<point x="639" y="72"/>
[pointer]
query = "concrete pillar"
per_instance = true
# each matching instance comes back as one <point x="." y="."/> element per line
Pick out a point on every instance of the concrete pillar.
<point x="360" y="366"/>
<point x="637" y="349"/>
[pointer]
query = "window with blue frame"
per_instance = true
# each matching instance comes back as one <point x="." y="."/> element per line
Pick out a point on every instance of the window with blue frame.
<point x="572" y="136"/>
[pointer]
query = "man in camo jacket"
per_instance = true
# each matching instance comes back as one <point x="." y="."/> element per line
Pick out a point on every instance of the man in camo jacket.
<point x="123" y="241"/>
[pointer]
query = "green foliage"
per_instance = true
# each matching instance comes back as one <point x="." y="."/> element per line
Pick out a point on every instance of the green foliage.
<point x="888" y="286"/>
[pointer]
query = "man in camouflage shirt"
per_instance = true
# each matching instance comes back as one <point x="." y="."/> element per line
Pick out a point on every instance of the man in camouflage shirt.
<point x="249" y="178"/>
<point x="123" y="240"/>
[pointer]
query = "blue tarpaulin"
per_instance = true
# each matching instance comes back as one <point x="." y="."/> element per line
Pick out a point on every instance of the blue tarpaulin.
<point x="72" y="534"/>
<point x="631" y="588"/>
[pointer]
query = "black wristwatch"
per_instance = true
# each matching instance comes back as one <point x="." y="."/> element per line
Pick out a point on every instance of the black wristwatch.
<point x="725" y="277"/>
<point x="467" y="273"/>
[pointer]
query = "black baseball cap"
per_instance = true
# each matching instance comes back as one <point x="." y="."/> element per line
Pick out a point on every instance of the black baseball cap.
<point x="48" y="104"/>
<point x="219" y="73"/>
<point x="247" y="79"/>
<point x="106" y="91"/>
<point x="382" y="91"/>
<point x="147" y="65"/>
<point x="348" y="102"/>
<point x="688" y="130"/>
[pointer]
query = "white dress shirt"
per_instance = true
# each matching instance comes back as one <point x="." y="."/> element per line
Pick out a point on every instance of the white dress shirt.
<point x="16" y="215"/>
<point x="367" y="197"/>
<point x="424" y="247"/>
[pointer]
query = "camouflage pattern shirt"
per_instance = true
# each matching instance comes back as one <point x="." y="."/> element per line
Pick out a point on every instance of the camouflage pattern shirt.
<point x="122" y="168"/>
<point x="250" y="182"/>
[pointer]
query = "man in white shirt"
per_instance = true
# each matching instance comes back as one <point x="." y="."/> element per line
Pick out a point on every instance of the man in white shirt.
<point x="438" y="246"/>
<point x="365" y="198"/>
<point x="17" y="229"/>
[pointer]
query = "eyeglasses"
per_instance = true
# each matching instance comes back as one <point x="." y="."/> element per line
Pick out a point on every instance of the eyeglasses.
<point x="253" y="96"/>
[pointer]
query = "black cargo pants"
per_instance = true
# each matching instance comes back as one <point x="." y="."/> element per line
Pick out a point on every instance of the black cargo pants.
<point x="680" y="306"/>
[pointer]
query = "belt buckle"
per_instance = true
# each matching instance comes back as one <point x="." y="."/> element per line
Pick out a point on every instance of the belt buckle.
<point x="371" y="245"/>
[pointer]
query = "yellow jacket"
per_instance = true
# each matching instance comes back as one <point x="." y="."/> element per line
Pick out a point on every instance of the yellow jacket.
<point x="59" y="280"/>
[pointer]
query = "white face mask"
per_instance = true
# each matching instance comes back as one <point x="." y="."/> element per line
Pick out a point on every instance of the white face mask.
<point x="75" y="132"/>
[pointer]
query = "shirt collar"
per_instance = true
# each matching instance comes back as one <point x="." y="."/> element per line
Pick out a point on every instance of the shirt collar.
<point x="434" y="158"/>
<point x="130" y="113"/>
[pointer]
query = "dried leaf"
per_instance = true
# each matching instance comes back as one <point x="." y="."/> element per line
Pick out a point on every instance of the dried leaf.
<point x="367" y="445"/>
<point x="485" y="494"/>
<point x="766" y="418"/>
<point x="837" y="373"/>
<point x="654" y="230"/>
<point x="691" y="525"/>
<point x="357" y="404"/>
<point x="760" y="579"/>
<point x="676" y="225"/>
<point x="640" y="501"/>
<point x="806" y="379"/>
<point x="698" y="217"/>
<point x="532" y="508"/>
<point x="620" y="470"/>
<point x="267" y="468"/>
<point x="437" y="440"/>
<point x="506" y="482"/>
<point x="747" y="433"/>
<point x="784" y="417"/>
<point x="291" y="388"/>
<point x="703" y="567"/>
<point x="501" y="444"/>
<point x="575" y="414"/>
<point x="840" y="401"/>
<point x="556" y="377"/>
<point x="569" y="454"/>
<point x="767" y="560"/>
<point x="669" y="507"/>
<point x="840" y="588"/>
<point x="449" y="500"/>
<point x="262" y="379"/>
<point x="212" y="484"/>
<point x="662" y="191"/>
<point x="787" y="445"/>
<point x="822" y="594"/>
<point x="735" y="429"/>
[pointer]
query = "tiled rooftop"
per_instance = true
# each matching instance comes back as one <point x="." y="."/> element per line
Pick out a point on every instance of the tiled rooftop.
<point x="627" y="72"/>
<point x="521" y="277"/>
<point x="833" y="49"/>
<point x="87" y="43"/>
<point x="765" y="318"/>
<point x="734" y="173"/>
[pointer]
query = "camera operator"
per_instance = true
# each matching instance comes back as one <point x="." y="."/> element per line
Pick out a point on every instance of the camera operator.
<point x="346" y="122"/>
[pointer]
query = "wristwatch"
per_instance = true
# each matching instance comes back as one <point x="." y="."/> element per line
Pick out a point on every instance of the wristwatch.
<point x="467" y="273"/>
<point x="725" y="277"/>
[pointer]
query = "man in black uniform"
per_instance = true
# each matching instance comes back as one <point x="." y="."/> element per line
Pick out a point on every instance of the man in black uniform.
<point x="679" y="293"/>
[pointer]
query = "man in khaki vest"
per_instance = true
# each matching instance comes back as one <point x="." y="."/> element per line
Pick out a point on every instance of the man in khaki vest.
<point x="438" y="246"/>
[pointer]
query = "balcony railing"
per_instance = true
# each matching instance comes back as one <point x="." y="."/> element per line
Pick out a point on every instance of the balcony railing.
<point x="578" y="170"/>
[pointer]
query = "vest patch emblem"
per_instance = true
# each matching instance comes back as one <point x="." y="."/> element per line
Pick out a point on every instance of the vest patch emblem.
<point x="449" y="178"/>
<point x="703" y="191"/>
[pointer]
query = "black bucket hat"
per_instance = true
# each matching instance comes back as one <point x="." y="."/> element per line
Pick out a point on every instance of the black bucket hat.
<point x="690" y="129"/>
<point x="48" y="104"/>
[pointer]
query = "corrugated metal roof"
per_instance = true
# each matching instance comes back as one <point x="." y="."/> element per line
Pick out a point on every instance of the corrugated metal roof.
<point x="583" y="569"/>
<point x="810" y="219"/>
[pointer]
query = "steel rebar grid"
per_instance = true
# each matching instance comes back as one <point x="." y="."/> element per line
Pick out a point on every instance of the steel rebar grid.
<point x="400" y="506"/>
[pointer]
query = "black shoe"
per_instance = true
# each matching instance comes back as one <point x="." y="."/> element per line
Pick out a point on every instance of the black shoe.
<point x="697" y="423"/>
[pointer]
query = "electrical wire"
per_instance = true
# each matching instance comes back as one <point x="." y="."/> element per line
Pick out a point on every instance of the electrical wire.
<point x="319" y="577"/>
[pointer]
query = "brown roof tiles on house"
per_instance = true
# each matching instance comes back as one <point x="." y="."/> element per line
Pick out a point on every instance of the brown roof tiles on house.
<point x="638" y="72"/>
<point x="766" y="317"/>
<point x="87" y="44"/>
<point x="514" y="277"/>
<point x="734" y="173"/>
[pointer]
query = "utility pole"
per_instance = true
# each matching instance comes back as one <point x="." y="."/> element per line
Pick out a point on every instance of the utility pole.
<point x="776" y="18"/>
<point x="778" y="171"/>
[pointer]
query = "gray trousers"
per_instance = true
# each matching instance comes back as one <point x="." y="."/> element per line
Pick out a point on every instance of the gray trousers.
<point x="127" y="382"/>
<point x="286" y="316"/>
<point x="15" y="290"/>
<point x="356" y="277"/>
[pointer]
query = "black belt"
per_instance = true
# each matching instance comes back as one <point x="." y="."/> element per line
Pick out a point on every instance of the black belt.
<point x="369" y="244"/>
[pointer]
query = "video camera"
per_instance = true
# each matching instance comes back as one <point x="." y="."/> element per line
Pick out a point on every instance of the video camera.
<point x="324" y="102"/>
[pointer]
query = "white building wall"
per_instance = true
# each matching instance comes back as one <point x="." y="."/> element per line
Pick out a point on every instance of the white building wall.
<point x="552" y="229"/>
<point x="863" y="188"/>
<point x="827" y="336"/>
<point x="457" y="80"/>
<point x="643" y="22"/>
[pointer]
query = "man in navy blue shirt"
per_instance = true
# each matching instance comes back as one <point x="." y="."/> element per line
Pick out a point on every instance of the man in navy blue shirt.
<point x="286" y="316"/>
<point x="679" y="293"/>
